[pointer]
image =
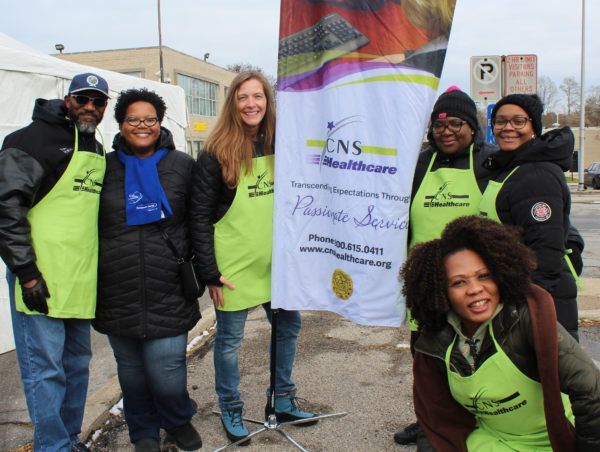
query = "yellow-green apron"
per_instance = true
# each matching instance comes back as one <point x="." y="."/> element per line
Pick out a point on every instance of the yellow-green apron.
<point x="444" y="195"/>
<point x="487" y="209"/>
<point x="64" y="235"/>
<point x="243" y="238"/>
<point x="508" y="405"/>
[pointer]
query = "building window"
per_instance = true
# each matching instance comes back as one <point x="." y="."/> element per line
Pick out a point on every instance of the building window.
<point x="200" y="95"/>
<point x="138" y="74"/>
<point x="189" y="147"/>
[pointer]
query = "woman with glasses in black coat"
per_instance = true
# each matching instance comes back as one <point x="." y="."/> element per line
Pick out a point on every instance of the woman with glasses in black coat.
<point x="529" y="190"/>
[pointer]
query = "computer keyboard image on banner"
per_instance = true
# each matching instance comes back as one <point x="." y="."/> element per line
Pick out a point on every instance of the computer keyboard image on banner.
<point x="309" y="49"/>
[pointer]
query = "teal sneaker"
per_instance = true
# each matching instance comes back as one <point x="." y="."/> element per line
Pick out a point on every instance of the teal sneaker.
<point x="288" y="409"/>
<point x="233" y="423"/>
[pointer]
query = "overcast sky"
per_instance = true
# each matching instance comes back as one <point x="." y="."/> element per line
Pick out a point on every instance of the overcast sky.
<point x="234" y="31"/>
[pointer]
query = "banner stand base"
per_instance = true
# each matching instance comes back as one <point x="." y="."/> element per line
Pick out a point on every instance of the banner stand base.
<point x="271" y="423"/>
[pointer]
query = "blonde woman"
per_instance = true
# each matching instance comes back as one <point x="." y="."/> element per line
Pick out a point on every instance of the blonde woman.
<point x="232" y="215"/>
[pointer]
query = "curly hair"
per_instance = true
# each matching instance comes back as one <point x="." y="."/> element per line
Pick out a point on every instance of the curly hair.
<point x="425" y="285"/>
<point x="128" y="97"/>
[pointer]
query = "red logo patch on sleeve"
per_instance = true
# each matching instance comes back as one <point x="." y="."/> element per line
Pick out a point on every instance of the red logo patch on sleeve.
<point x="541" y="211"/>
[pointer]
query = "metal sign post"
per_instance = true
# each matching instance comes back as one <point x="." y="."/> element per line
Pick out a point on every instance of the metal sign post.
<point x="489" y="130"/>
<point x="581" y="182"/>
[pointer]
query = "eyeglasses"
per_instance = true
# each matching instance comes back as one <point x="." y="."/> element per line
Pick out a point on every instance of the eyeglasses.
<point x="517" y="122"/>
<point x="135" y="122"/>
<point x="97" y="101"/>
<point x="453" y="126"/>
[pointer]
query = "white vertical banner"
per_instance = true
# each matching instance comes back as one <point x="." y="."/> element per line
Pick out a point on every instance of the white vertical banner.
<point x="351" y="118"/>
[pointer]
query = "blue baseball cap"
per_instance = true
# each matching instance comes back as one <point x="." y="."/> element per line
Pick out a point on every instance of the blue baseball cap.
<point x="88" y="82"/>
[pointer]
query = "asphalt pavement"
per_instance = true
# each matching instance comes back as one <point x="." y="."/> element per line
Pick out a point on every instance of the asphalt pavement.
<point x="340" y="367"/>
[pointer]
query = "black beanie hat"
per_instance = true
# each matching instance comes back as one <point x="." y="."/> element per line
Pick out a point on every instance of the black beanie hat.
<point x="532" y="105"/>
<point x="455" y="102"/>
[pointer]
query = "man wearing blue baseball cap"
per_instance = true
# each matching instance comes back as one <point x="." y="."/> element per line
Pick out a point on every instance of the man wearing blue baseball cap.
<point x="51" y="175"/>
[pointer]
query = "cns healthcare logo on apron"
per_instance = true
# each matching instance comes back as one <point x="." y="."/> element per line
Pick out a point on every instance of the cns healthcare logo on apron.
<point x="262" y="187"/>
<point x="491" y="407"/>
<point x="90" y="182"/>
<point x="443" y="197"/>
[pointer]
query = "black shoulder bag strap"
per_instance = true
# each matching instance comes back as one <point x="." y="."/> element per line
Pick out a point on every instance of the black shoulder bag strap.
<point x="180" y="259"/>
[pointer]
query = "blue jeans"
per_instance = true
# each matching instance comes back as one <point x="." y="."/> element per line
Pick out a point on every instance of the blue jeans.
<point x="153" y="378"/>
<point x="54" y="356"/>
<point x="230" y="333"/>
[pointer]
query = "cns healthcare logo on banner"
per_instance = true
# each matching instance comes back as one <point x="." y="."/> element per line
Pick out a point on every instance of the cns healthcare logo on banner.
<point x="341" y="151"/>
<point x="355" y="87"/>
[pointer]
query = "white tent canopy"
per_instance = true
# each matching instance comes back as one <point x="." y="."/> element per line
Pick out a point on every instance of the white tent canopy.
<point x="26" y="75"/>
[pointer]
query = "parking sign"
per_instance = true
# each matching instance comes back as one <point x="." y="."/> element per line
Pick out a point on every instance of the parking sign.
<point x="486" y="78"/>
<point x="520" y="74"/>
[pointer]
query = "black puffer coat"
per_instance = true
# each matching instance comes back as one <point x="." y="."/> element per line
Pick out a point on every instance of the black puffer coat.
<point x="139" y="292"/>
<point x="537" y="199"/>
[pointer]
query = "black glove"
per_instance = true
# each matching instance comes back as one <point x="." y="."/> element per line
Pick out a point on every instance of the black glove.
<point x="35" y="297"/>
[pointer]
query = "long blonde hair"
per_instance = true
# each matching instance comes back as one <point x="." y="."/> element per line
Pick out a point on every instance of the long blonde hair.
<point x="230" y="142"/>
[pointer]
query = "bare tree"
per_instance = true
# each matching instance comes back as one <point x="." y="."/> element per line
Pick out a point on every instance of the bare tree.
<point x="548" y="93"/>
<point x="570" y="87"/>
<point x="242" y="67"/>
<point x="592" y="106"/>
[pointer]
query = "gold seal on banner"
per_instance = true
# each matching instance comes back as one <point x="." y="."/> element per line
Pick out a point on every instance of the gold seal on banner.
<point x="341" y="283"/>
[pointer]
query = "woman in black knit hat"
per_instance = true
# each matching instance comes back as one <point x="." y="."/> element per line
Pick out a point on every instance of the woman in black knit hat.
<point x="529" y="190"/>
<point x="448" y="183"/>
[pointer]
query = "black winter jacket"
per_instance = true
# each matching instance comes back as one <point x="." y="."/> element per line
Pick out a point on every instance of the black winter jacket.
<point x="32" y="160"/>
<point x="139" y="290"/>
<point x="211" y="199"/>
<point x="540" y="182"/>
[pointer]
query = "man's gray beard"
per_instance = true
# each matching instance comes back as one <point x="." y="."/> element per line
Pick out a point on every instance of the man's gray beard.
<point x="86" y="127"/>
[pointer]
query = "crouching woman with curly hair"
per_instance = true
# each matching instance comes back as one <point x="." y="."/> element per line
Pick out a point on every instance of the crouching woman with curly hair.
<point x="493" y="370"/>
